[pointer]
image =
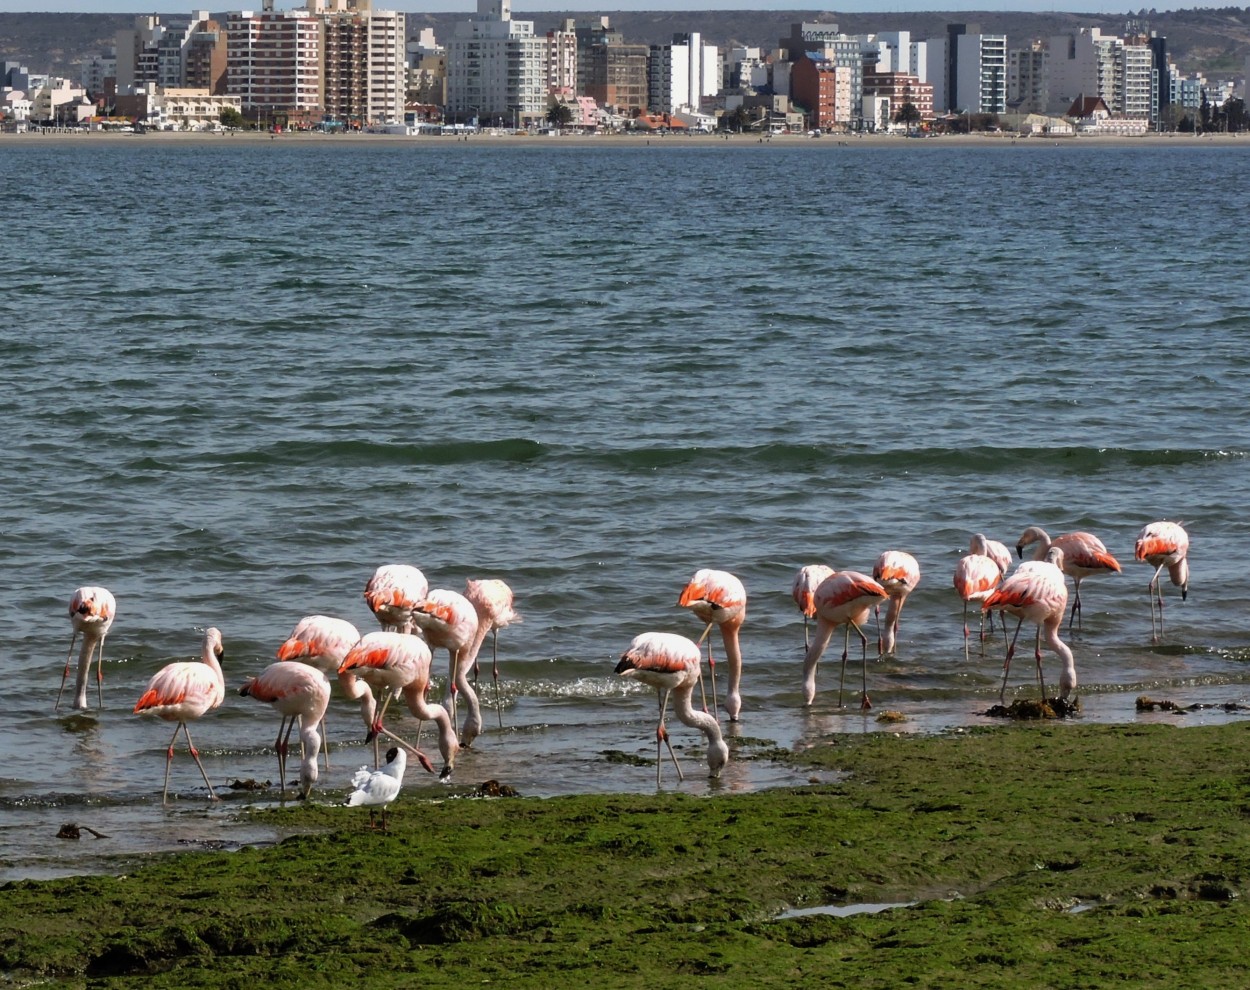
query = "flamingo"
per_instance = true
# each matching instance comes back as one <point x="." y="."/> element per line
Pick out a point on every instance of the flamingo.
<point x="899" y="574"/>
<point x="322" y="641"/>
<point x="1001" y="556"/>
<point x="391" y="594"/>
<point x="449" y="621"/>
<point x="91" y="612"/>
<point x="399" y="663"/>
<point x="183" y="691"/>
<point x="718" y="598"/>
<point x="379" y="787"/>
<point x="297" y="691"/>
<point x="1163" y="544"/>
<point x="841" y="600"/>
<point x="806" y="581"/>
<point x="1036" y="591"/>
<point x="1083" y="555"/>
<point x="670" y="663"/>
<point x="492" y="600"/>
<point x="996" y="551"/>
<point x="976" y="577"/>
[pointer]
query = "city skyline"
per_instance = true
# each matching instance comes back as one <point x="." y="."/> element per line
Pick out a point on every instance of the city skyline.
<point x="523" y="9"/>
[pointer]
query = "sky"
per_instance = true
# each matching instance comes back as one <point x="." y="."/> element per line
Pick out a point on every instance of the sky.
<point x="520" y="8"/>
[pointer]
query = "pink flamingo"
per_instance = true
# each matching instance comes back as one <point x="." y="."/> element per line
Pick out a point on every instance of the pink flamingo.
<point x="1036" y="592"/>
<point x="392" y="593"/>
<point x="183" y="691"/>
<point x="976" y="577"/>
<point x="718" y="598"/>
<point x="1163" y="544"/>
<point x="806" y="581"/>
<point x="843" y="599"/>
<point x="1083" y="556"/>
<point x="670" y="664"/>
<point x="91" y="612"/>
<point x="492" y="600"/>
<point x="399" y="663"/>
<point x="299" y="692"/>
<point x="898" y="573"/>
<point x="322" y="641"/>
<point x="449" y="621"/>
<point x="1001" y="556"/>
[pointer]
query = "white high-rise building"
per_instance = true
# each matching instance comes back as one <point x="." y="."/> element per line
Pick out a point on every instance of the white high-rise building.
<point x="981" y="81"/>
<point x="681" y="74"/>
<point x="895" y="52"/>
<point x="496" y="67"/>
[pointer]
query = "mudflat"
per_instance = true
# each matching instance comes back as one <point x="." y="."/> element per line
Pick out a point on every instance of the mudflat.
<point x="1046" y="854"/>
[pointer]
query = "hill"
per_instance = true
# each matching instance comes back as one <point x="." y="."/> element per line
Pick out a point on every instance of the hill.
<point x="1213" y="41"/>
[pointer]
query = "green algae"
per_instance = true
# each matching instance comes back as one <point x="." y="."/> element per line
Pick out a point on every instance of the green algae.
<point x="996" y="834"/>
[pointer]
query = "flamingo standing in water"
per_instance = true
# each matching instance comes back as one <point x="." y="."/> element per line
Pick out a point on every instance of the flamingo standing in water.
<point x="718" y="598"/>
<point x="181" y="692"/>
<point x="322" y="641"/>
<point x="806" y="581"/>
<point x="392" y="593"/>
<point x="1001" y="556"/>
<point x="91" y="612"/>
<point x="1163" y="544"/>
<point x="976" y="577"/>
<point x="399" y="663"/>
<point x="1036" y="591"/>
<point x="843" y="599"/>
<point x="299" y="692"/>
<point x="1083" y="555"/>
<point x="449" y="620"/>
<point x="670" y="664"/>
<point x="898" y="573"/>
<point x="492" y="600"/>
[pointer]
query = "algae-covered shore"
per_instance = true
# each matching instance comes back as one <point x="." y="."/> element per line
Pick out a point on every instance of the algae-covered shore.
<point x="1036" y="855"/>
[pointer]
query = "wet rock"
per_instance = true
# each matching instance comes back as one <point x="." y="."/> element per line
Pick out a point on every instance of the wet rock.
<point x="889" y="715"/>
<point x="492" y="788"/>
<point x="1145" y="704"/>
<point x="250" y="784"/>
<point x="72" y="830"/>
<point x="1031" y="708"/>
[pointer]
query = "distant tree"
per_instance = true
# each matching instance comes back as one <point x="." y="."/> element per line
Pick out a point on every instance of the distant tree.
<point x="230" y="117"/>
<point x="908" y="114"/>
<point x="738" y="120"/>
<point x="1234" y="114"/>
<point x="560" y="115"/>
<point x="1204" y="111"/>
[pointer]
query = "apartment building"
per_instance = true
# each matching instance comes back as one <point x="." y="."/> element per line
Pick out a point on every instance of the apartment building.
<point x="981" y="73"/>
<point x="496" y="67"/>
<point x="561" y="58"/>
<point x="1027" y="78"/>
<point x="681" y="74"/>
<point x="274" y="62"/>
<point x="365" y="66"/>
<point x="615" y="76"/>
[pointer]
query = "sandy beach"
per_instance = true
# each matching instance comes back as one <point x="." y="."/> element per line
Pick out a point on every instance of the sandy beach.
<point x="827" y="141"/>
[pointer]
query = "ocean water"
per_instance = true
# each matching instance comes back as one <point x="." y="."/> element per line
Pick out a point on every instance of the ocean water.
<point x="235" y="378"/>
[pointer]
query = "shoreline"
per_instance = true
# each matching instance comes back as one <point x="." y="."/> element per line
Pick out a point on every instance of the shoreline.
<point x="1048" y="849"/>
<point x="832" y="141"/>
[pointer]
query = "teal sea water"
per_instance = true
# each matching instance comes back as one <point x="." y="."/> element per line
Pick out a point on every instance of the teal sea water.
<point x="235" y="378"/>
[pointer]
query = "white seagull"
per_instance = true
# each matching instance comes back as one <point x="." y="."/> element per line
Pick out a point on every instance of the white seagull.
<point x="379" y="786"/>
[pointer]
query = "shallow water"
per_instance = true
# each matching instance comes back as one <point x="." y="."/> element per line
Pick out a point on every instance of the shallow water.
<point x="242" y="377"/>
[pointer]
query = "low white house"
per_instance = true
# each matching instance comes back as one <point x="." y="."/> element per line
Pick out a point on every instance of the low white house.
<point x="188" y="109"/>
<point x="1039" y="125"/>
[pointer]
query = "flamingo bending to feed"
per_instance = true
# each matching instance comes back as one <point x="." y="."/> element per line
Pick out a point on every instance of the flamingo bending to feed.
<point x="718" y="598"/>
<point x="1083" y="556"/>
<point x="1163" y="544"/>
<point x="1036" y="591"/>
<point x="322" y="641"/>
<point x="449" y="621"/>
<point x="392" y="593"/>
<point x="492" y="600"/>
<point x="976" y="577"/>
<point x="379" y="787"/>
<point x="806" y="581"/>
<point x="399" y="663"/>
<point x="183" y="691"/>
<point x="843" y="599"/>
<point x="91" y="611"/>
<point x="898" y="573"/>
<point x="670" y="664"/>
<point x="299" y="692"/>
